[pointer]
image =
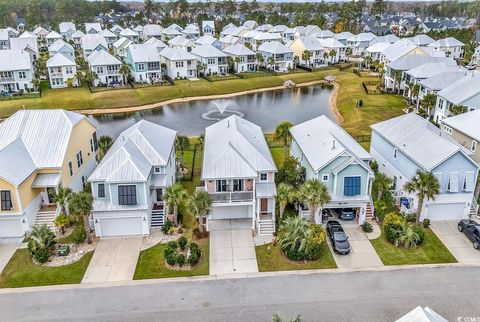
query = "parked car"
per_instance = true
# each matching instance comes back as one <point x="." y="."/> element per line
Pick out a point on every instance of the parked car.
<point x="471" y="66"/>
<point x="472" y="230"/>
<point x="346" y="214"/>
<point x="338" y="237"/>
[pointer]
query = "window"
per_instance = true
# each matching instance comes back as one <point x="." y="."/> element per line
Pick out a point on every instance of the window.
<point x="211" y="61"/>
<point x="468" y="184"/>
<point x="157" y="170"/>
<point x="351" y="186"/>
<point x="79" y="159"/>
<point x="100" y="70"/>
<point x="325" y="177"/>
<point x="221" y="185"/>
<point x="453" y="182"/>
<point x="238" y="185"/>
<point x="95" y="142"/>
<point x="263" y="177"/>
<point x="447" y="129"/>
<point x="6" y="198"/>
<point x="474" y="146"/>
<point x="127" y="195"/>
<point x="395" y="154"/>
<point x="141" y="66"/>
<point x="101" y="190"/>
<point x="159" y="194"/>
<point x="70" y="168"/>
<point x="179" y="64"/>
<point x="22" y="75"/>
<point x="68" y="70"/>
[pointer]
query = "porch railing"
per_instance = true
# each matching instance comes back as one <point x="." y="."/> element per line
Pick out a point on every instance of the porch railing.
<point x="226" y="197"/>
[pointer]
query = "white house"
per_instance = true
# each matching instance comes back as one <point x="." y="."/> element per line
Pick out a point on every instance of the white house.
<point x="61" y="68"/>
<point x="421" y="40"/>
<point x="213" y="59"/>
<point x="315" y="50"/>
<point x="182" y="42"/>
<point x="209" y="40"/>
<point x="239" y="174"/>
<point x="106" y="67"/>
<point x="358" y="43"/>
<point x="16" y="71"/>
<point x="434" y="84"/>
<point x="334" y="49"/>
<point x="450" y="46"/>
<point x="93" y="42"/>
<point x="120" y="46"/>
<point x="93" y="28"/>
<point x="26" y="42"/>
<point x="61" y="46"/>
<point x="4" y="39"/>
<point x="77" y="39"/>
<point x="276" y="55"/>
<point x="129" y="183"/>
<point x="170" y="33"/>
<point x="229" y="40"/>
<point x="151" y="30"/>
<point x="116" y="29"/>
<point x="208" y="27"/>
<point x="40" y="32"/>
<point x="144" y="61"/>
<point x="191" y="32"/>
<point x="157" y="43"/>
<point x="109" y="36"/>
<point x="130" y="35"/>
<point x="179" y="63"/>
<point x="244" y="58"/>
<point x="66" y="30"/>
<point x="52" y="37"/>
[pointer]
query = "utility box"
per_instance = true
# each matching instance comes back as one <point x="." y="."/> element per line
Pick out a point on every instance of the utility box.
<point x="63" y="250"/>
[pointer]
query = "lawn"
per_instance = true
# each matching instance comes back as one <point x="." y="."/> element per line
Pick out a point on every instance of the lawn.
<point x="432" y="251"/>
<point x="151" y="263"/>
<point x="270" y="258"/>
<point x="22" y="272"/>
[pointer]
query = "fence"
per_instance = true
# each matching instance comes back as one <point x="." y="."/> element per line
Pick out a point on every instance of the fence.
<point x="371" y="87"/>
<point x="258" y="73"/>
<point x="216" y="78"/>
<point x="345" y="66"/>
<point x="363" y="138"/>
<point x="21" y="96"/>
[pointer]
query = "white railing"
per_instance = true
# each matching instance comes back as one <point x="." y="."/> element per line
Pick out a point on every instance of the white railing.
<point x="226" y="197"/>
<point x="405" y="210"/>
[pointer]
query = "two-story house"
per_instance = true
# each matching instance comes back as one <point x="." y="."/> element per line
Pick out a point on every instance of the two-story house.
<point x="16" y="70"/>
<point x="106" y="67"/>
<point x="93" y="42"/>
<point x="52" y="37"/>
<point x="209" y="40"/>
<point x="4" y="39"/>
<point x="465" y="129"/>
<point x="62" y="47"/>
<point x="408" y="143"/>
<point x="239" y="174"/>
<point x="130" y="35"/>
<point x="182" y="42"/>
<point x="144" y="61"/>
<point x="358" y="43"/>
<point x="109" y="37"/>
<point x="26" y="42"/>
<point x="276" y="56"/>
<point x="41" y="150"/>
<point x="66" y="30"/>
<point x="179" y="63"/>
<point x="120" y="47"/>
<point x="310" y="44"/>
<point x="151" y="31"/>
<point x="335" y="50"/>
<point x="61" y="70"/>
<point x="129" y="182"/>
<point x="243" y="57"/>
<point x="213" y="59"/>
<point x="208" y="27"/>
<point x="450" y="46"/>
<point x="330" y="155"/>
<point x="93" y="28"/>
<point x="77" y="39"/>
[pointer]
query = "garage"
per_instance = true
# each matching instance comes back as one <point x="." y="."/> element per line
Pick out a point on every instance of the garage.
<point x="445" y="211"/>
<point x="231" y="212"/>
<point x="11" y="227"/>
<point x="110" y="227"/>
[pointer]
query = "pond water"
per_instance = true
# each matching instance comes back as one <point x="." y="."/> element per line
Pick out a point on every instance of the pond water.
<point x="265" y="109"/>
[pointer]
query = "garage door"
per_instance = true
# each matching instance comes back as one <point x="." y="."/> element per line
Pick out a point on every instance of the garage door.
<point x="110" y="227"/>
<point x="445" y="211"/>
<point x="231" y="212"/>
<point x="10" y="228"/>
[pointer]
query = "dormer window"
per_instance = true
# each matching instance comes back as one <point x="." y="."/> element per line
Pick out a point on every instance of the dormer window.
<point x="157" y="169"/>
<point x="263" y="176"/>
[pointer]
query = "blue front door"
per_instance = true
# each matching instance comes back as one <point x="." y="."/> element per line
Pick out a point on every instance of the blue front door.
<point x="351" y="186"/>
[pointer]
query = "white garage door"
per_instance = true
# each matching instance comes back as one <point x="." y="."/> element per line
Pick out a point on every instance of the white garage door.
<point x="231" y="212"/>
<point x="451" y="211"/>
<point x="10" y="228"/>
<point x="121" y="226"/>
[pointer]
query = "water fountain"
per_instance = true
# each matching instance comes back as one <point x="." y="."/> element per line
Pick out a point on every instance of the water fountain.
<point x="221" y="110"/>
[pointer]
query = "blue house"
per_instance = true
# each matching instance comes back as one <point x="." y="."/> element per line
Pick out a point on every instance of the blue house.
<point x="408" y="143"/>
<point x="144" y="62"/>
<point x="332" y="156"/>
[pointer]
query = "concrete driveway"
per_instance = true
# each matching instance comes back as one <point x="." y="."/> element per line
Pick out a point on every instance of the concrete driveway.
<point x="457" y="243"/>
<point x="8" y="246"/>
<point x="114" y="259"/>
<point x="362" y="253"/>
<point x="232" y="249"/>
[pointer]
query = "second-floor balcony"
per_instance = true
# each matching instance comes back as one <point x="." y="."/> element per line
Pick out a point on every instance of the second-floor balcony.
<point x="7" y="79"/>
<point x="229" y="196"/>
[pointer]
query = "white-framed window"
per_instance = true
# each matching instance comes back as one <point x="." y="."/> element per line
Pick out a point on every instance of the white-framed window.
<point x="99" y="69"/>
<point x="325" y="177"/>
<point x="141" y="66"/>
<point x="263" y="176"/>
<point x="211" y="61"/>
<point x="395" y="153"/>
<point x="474" y="146"/>
<point x="70" y="168"/>
<point x="68" y="70"/>
<point x="22" y="75"/>
<point x="447" y="129"/>
<point x="179" y="64"/>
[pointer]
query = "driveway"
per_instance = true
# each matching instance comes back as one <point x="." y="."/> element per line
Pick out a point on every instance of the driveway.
<point x="115" y="259"/>
<point x="362" y="253"/>
<point x="8" y="246"/>
<point x="232" y="249"/>
<point x="457" y="243"/>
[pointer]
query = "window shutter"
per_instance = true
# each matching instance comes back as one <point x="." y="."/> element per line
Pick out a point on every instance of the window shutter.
<point x="453" y="182"/>
<point x="439" y="177"/>
<point x="469" y="184"/>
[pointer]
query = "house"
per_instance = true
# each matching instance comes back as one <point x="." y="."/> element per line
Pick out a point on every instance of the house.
<point x="228" y="40"/>
<point x="191" y="32"/>
<point x="130" y="35"/>
<point x="250" y="24"/>
<point x="106" y="67"/>
<point x="358" y="43"/>
<point x="434" y="84"/>
<point x="464" y="92"/>
<point x="41" y="150"/>
<point x="120" y="46"/>
<point x="4" y="39"/>
<point x="170" y="33"/>
<point x="93" y="42"/>
<point x="208" y="27"/>
<point x="375" y="51"/>
<point x="330" y="155"/>
<point x="179" y="63"/>
<point x="109" y="36"/>
<point x="129" y="182"/>
<point x="66" y="30"/>
<point x="157" y="43"/>
<point x="464" y="129"/>
<point x="408" y="143"/>
<point x="151" y="30"/>
<point x="476" y="57"/>
<point x="244" y="58"/>
<point x="450" y="46"/>
<point x="239" y="174"/>
<point x="26" y="42"/>
<point x="61" y="46"/>
<point x="144" y="61"/>
<point x="315" y="50"/>
<point x="213" y="59"/>
<point x="116" y="29"/>
<point x="77" y="39"/>
<point x="209" y="40"/>
<point x="421" y="40"/>
<point x="343" y="36"/>
<point x="335" y="51"/>
<point x="256" y="38"/>
<point x="40" y="32"/>
<point x="182" y="42"/>
<point x="16" y="71"/>
<point x="276" y="55"/>
<point x="52" y="37"/>
<point x="60" y="69"/>
<point x="92" y="28"/>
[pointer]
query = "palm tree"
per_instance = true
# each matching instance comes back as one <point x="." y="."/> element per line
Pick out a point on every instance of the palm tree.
<point x="41" y="240"/>
<point x="425" y="185"/>
<point x="282" y="133"/>
<point x="429" y="101"/>
<point x="285" y="195"/>
<point x="407" y="237"/>
<point x="314" y="194"/>
<point x="325" y="56"/>
<point x="348" y="52"/>
<point x="415" y="89"/>
<point x="174" y="196"/>
<point x="104" y="144"/>
<point x="237" y="61"/>
<point x="332" y="55"/>
<point x="293" y="234"/>
<point x="201" y="67"/>
<point x="200" y="203"/>
<point x="81" y="204"/>
<point x="260" y="59"/>
<point x="271" y="62"/>
<point x="382" y="184"/>
<point x="61" y="197"/>
<point x="306" y="57"/>
<point x="458" y="109"/>
<point x="90" y="76"/>
<point x="125" y="71"/>
<point x="182" y="143"/>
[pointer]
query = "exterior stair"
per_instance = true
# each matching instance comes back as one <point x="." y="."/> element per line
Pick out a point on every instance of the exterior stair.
<point x="45" y="217"/>
<point x="473" y="210"/>
<point x="266" y="227"/>
<point x="369" y="212"/>
<point x="158" y="216"/>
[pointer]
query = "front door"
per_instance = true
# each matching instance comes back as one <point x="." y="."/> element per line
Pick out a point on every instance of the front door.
<point x="159" y="193"/>
<point x="50" y="194"/>
<point x="263" y="205"/>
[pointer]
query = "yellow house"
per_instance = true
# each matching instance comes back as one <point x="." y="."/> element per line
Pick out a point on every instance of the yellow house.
<point x="41" y="150"/>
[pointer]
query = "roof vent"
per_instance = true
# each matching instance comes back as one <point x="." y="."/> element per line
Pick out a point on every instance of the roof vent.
<point x="228" y="123"/>
<point x="333" y="145"/>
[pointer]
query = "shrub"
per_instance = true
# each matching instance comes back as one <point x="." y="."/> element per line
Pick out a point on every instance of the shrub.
<point x="42" y="255"/>
<point x="393" y="218"/>
<point x="171" y="231"/>
<point x="78" y="234"/>
<point x="426" y="223"/>
<point x="421" y="234"/>
<point x="181" y="259"/>
<point x="411" y="218"/>
<point x="172" y="244"/>
<point x="193" y="258"/>
<point x="392" y="232"/>
<point x="367" y="227"/>
<point x="315" y="241"/>
<point x="167" y="226"/>
<point x="171" y="259"/>
<point x="182" y="242"/>
<point x="194" y="247"/>
<point x="199" y="234"/>
<point x="40" y="242"/>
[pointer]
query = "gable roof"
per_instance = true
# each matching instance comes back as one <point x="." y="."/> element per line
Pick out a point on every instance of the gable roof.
<point x="207" y="51"/>
<point x="431" y="69"/>
<point x="59" y="44"/>
<point x="180" y="41"/>
<point x="322" y="140"/>
<point x="446" y="42"/>
<point x="143" y="53"/>
<point x="274" y="47"/>
<point x="235" y="148"/>
<point x="93" y="25"/>
<point x="128" y="33"/>
<point x="53" y="35"/>
<point x="66" y="26"/>
<point x="60" y="59"/>
<point x="92" y="41"/>
<point x="176" y="53"/>
<point x="467" y="123"/>
<point x="330" y="43"/>
<point x="462" y="90"/>
<point x="78" y="34"/>
<point x="238" y="50"/>
<point x="206" y="40"/>
<point x="101" y="58"/>
<point x="421" y="40"/>
<point x="310" y="43"/>
<point x="123" y="42"/>
<point x="442" y="80"/>
<point x="14" y="59"/>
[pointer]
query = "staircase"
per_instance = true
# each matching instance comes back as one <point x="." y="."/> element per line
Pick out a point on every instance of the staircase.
<point x="46" y="217"/>
<point x="473" y="210"/>
<point x="368" y="211"/>
<point x="266" y="227"/>
<point x="158" y="216"/>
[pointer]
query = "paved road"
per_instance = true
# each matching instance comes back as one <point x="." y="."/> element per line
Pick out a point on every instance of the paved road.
<point x="356" y="296"/>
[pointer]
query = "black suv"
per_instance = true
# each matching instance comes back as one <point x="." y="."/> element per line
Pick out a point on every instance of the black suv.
<point x="472" y="230"/>
<point x="338" y="237"/>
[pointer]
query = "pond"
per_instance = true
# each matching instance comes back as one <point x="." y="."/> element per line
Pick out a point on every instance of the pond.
<point x="266" y="109"/>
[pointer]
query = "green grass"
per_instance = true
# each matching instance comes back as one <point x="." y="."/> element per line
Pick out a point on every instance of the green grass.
<point x="270" y="258"/>
<point x="432" y="251"/>
<point x="151" y="263"/>
<point x="22" y="272"/>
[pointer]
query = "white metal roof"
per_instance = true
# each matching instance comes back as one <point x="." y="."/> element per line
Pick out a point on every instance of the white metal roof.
<point x="235" y="148"/>
<point x="171" y="31"/>
<point x="24" y="43"/>
<point x="4" y="35"/>
<point x="420" y="314"/>
<point x="467" y="123"/>
<point x="152" y="30"/>
<point x="310" y="43"/>
<point x="78" y="34"/>
<point x="397" y="50"/>
<point x="344" y="35"/>
<point x="387" y="38"/>
<point x="16" y="163"/>
<point x="123" y="42"/>
<point x="322" y="140"/>
<point x="66" y="26"/>
<point x="442" y="80"/>
<point x="135" y="152"/>
<point x="143" y="53"/>
<point x="176" y="53"/>
<point x="238" y="50"/>
<point x="105" y="33"/>
<point x="92" y="41"/>
<point x="128" y="33"/>
<point x="181" y="41"/>
<point x="364" y="36"/>
<point x="446" y="42"/>
<point x="407" y="62"/>
<point x="46" y="180"/>
<point x="330" y="43"/>
<point x="421" y="40"/>
<point x="13" y="59"/>
<point x="206" y="51"/>
<point x="274" y="47"/>
<point x="378" y="47"/>
<point x="229" y="39"/>
<point x="462" y="90"/>
<point x="60" y="59"/>
<point x="265" y="189"/>
<point x="431" y="69"/>
<point x="419" y="139"/>
<point x="102" y="58"/>
<point x="59" y="44"/>
<point x="53" y="35"/>
<point x="93" y="25"/>
<point x="206" y="40"/>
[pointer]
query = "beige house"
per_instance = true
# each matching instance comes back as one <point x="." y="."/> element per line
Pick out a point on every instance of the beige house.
<point x="41" y="150"/>
<point x="465" y="130"/>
